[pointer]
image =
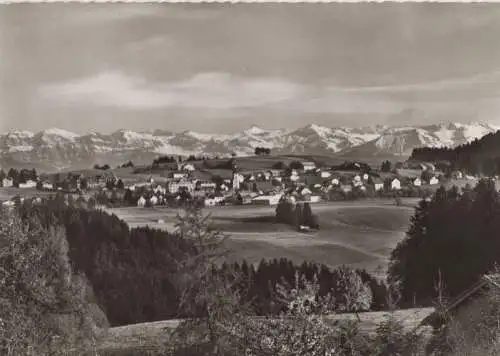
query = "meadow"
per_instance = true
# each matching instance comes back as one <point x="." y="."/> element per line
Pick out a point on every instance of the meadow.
<point x="358" y="233"/>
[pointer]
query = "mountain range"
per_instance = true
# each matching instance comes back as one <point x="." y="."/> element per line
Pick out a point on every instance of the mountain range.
<point x="56" y="149"/>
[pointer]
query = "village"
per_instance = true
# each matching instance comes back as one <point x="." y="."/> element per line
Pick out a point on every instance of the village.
<point x="300" y="180"/>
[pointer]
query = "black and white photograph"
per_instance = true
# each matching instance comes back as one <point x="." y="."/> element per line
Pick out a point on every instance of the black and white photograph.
<point x="250" y="179"/>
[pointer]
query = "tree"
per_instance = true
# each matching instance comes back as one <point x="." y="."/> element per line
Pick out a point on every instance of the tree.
<point x="204" y="292"/>
<point x="120" y="185"/>
<point x="279" y="165"/>
<point x="2" y="177"/>
<point x="296" y="165"/>
<point x="43" y="302"/>
<point x="84" y="184"/>
<point x="386" y="166"/>
<point x="452" y="236"/>
<point x="351" y="293"/>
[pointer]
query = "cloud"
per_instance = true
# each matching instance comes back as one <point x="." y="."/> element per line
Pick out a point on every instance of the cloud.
<point x="206" y="90"/>
<point x="223" y="92"/>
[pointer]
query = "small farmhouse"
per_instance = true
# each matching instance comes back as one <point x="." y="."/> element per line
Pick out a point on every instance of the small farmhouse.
<point x="28" y="184"/>
<point x="378" y="184"/>
<point x="6" y="182"/>
<point x="395" y="184"/>
<point x="417" y="182"/>
<point x="433" y="181"/>
<point x="308" y="165"/>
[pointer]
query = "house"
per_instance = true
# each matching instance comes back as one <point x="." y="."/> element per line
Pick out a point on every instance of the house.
<point x="47" y="186"/>
<point x="141" y="203"/>
<point x="28" y="184"/>
<point x="417" y="182"/>
<point x="6" y="182"/>
<point x="378" y="184"/>
<point x="154" y="200"/>
<point x="213" y="201"/>
<point x="314" y="198"/>
<point x="366" y="176"/>
<point x="335" y="181"/>
<point x="267" y="200"/>
<point x="178" y="175"/>
<point x="8" y="203"/>
<point x="433" y="181"/>
<point x="205" y="186"/>
<point x="176" y="185"/>
<point x="472" y="303"/>
<point x="395" y="184"/>
<point x="325" y="174"/>
<point x="188" y="167"/>
<point x="308" y="165"/>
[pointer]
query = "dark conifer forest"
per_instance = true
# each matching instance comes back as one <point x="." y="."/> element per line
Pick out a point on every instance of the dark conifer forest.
<point x="481" y="156"/>
<point x="134" y="272"/>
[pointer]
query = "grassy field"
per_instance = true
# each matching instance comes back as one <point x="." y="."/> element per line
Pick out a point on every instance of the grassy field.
<point x="146" y="338"/>
<point x="360" y="233"/>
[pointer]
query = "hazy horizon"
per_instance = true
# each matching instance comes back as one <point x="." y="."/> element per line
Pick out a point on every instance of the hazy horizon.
<point x="222" y="68"/>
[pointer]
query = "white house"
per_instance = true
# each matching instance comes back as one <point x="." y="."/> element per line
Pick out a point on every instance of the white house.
<point x="6" y="182"/>
<point x="141" y="203"/>
<point x="395" y="184"/>
<point x="188" y="167"/>
<point x="335" y="181"/>
<point x="308" y="166"/>
<point x="433" y="181"/>
<point x="154" y="200"/>
<point x="47" y="185"/>
<point x="325" y="174"/>
<point x="179" y="175"/>
<point x="294" y="177"/>
<point x="29" y="184"/>
<point x="305" y="191"/>
<point x="315" y="199"/>
<point x="417" y="182"/>
<point x="160" y="190"/>
<point x="267" y="200"/>
<point x="378" y="184"/>
<point x="213" y="201"/>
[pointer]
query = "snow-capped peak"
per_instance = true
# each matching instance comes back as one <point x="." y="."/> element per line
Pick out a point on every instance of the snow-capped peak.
<point x="255" y="130"/>
<point x="61" y="133"/>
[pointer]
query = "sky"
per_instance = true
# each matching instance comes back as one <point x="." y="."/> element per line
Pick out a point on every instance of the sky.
<point x="224" y="67"/>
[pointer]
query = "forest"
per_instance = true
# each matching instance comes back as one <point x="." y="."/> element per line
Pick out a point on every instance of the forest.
<point x="481" y="156"/>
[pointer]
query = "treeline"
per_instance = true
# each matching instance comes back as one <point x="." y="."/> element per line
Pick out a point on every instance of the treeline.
<point x="481" y="156"/>
<point x="259" y="151"/>
<point x="257" y="285"/>
<point x="18" y="176"/>
<point x="296" y="214"/>
<point x="453" y="239"/>
<point x="353" y="166"/>
<point x="135" y="273"/>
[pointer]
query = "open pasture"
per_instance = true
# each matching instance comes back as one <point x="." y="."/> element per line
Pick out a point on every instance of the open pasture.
<point x="360" y="233"/>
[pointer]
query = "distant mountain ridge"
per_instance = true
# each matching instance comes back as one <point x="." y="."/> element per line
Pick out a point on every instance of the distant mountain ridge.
<point x="56" y="149"/>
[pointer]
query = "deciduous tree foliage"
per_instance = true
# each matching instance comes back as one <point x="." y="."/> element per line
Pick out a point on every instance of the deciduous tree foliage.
<point x="44" y="304"/>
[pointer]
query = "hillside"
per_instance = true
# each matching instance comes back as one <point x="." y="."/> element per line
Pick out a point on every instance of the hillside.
<point x="56" y="149"/>
<point x="481" y="156"/>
